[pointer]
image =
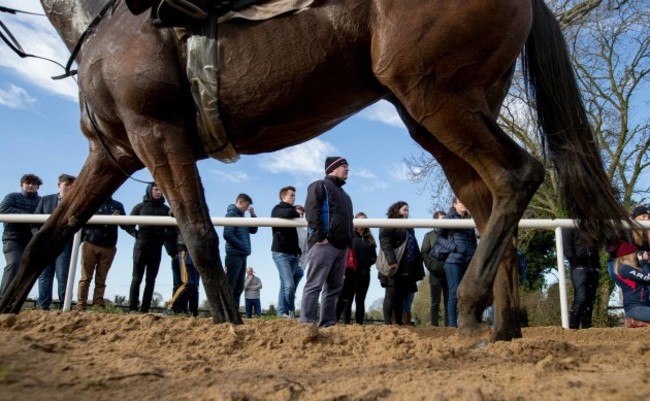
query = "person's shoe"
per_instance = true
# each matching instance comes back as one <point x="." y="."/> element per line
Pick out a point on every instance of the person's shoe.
<point x="168" y="312"/>
<point x="292" y="315"/>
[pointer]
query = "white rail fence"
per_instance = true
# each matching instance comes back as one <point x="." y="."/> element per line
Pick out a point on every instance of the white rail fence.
<point x="545" y="224"/>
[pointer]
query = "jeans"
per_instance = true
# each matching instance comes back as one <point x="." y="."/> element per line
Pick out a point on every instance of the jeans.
<point x="437" y="287"/>
<point x="13" y="251"/>
<point x="236" y="275"/>
<point x="253" y="304"/>
<point x="290" y="274"/>
<point x="639" y="313"/>
<point x="146" y="259"/>
<point x="60" y="267"/>
<point x="585" y="287"/>
<point x="325" y="274"/>
<point x="454" y="273"/>
<point x="94" y="258"/>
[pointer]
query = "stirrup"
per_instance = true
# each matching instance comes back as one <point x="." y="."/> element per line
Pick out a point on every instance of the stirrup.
<point x="187" y="8"/>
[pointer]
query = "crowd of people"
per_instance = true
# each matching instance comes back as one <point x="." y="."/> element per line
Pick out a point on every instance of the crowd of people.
<point x="334" y="257"/>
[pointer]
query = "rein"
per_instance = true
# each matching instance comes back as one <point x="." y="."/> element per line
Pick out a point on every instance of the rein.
<point x="14" y="45"/>
<point x="88" y="31"/>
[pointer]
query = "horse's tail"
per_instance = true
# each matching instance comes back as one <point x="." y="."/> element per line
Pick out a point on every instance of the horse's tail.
<point x="586" y="191"/>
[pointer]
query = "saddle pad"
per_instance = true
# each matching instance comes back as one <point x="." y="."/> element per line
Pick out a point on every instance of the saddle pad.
<point x="267" y="10"/>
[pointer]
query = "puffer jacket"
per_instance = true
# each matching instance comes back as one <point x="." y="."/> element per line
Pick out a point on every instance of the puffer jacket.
<point x="150" y="207"/>
<point x="104" y="234"/>
<point x="460" y="242"/>
<point x="238" y="239"/>
<point x="15" y="203"/>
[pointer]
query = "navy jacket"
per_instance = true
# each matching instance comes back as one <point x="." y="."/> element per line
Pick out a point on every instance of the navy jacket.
<point x="460" y="242"/>
<point x="104" y="235"/>
<point x="238" y="239"/>
<point x="328" y="210"/>
<point x="15" y="203"/>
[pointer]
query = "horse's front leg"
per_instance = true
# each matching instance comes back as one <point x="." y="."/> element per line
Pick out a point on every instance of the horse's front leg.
<point x="98" y="179"/>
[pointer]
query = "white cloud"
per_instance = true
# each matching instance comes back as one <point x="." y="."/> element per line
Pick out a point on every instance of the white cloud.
<point x="383" y="112"/>
<point x="37" y="36"/>
<point x="15" y="97"/>
<point x="363" y="173"/>
<point x="235" y="177"/>
<point x="303" y="159"/>
<point x="399" y="171"/>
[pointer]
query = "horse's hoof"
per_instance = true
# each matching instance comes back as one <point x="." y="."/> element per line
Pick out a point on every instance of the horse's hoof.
<point x="474" y="337"/>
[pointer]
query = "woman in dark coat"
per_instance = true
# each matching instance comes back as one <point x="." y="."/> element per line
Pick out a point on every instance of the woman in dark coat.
<point x="461" y="245"/>
<point x="357" y="281"/>
<point x="409" y="268"/>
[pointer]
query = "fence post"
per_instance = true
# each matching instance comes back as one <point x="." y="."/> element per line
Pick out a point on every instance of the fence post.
<point x="559" y="247"/>
<point x="69" y="287"/>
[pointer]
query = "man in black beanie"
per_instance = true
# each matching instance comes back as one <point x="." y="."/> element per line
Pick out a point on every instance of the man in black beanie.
<point x="329" y="214"/>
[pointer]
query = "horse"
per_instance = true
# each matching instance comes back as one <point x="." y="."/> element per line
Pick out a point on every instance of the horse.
<point x="446" y="66"/>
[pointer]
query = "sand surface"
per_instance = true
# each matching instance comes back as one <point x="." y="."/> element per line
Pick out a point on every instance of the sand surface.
<point x="95" y="356"/>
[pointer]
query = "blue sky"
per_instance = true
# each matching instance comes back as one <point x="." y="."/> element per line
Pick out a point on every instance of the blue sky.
<point x="39" y="133"/>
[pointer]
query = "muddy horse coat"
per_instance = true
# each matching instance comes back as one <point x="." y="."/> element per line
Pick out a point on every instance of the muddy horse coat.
<point x="445" y="65"/>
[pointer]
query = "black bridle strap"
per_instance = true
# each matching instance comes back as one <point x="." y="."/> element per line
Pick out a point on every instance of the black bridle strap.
<point x="77" y="47"/>
<point x="15" y="11"/>
<point x="12" y="42"/>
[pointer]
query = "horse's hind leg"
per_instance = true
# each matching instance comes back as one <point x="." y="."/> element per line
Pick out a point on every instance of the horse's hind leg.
<point x="469" y="186"/>
<point x="165" y="149"/>
<point x="491" y="174"/>
<point x="98" y="179"/>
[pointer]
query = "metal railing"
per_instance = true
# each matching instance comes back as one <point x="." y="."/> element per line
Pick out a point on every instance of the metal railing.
<point x="546" y="224"/>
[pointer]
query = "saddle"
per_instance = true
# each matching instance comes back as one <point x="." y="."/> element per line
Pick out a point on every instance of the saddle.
<point x="183" y="13"/>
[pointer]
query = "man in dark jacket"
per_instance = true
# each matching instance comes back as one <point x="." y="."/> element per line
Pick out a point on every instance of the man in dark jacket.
<point x="97" y="254"/>
<point x="61" y="265"/>
<point x="286" y="252"/>
<point x="437" y="278"/>
<point x="147" y="250"/>
<point x="584" y="263"/>
<point x="461" y="245"/>
<point x="238" y="246"/>
<point x="17" y="235"/>
<point x="329" y="214"/>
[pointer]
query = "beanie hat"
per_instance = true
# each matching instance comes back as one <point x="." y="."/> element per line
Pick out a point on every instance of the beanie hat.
<point x="332" y="162"/>
<point x="639" y="210"/>
<point x="625" y="249"/>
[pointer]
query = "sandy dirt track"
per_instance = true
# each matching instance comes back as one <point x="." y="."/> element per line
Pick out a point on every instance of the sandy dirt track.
<point x="94" y="356"/>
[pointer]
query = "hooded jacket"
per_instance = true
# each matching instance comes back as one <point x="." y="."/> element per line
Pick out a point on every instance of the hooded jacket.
<point x="150" y="207"/>
<point x="238" y="239"/>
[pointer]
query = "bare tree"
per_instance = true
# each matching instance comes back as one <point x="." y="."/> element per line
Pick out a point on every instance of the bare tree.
<point x="610" y="41"/>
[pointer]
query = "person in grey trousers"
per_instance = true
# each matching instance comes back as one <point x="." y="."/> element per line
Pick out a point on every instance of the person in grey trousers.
<point x="329" y="214"/>
<point x="252" y="287"/>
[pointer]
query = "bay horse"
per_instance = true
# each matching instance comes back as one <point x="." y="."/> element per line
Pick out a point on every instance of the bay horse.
<point x="446" y="65"/>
